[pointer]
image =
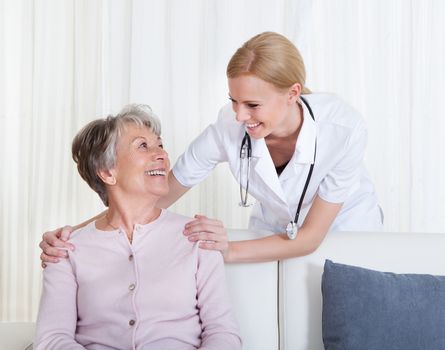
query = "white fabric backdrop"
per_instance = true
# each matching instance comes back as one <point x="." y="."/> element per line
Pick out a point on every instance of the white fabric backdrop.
<point x="63" y="63"/>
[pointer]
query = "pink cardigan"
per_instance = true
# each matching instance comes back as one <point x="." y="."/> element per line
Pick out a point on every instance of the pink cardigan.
<point x="161" y="292"/>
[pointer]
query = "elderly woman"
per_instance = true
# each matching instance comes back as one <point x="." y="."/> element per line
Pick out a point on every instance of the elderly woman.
<point x="133" y="280"/>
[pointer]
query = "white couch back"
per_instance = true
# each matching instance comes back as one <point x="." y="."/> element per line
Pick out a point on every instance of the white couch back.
<point x="297" y="291"/>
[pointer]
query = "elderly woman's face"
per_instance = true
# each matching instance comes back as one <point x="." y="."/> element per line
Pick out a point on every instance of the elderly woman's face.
<point x="142" y="165"/>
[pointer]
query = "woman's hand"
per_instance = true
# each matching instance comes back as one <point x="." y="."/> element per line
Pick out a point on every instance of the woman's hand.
<point x="210" y="232"/>
<point x="54" y="245"/>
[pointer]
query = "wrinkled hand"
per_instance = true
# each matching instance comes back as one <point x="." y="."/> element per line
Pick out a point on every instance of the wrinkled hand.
<point x="210" y="232"/>
<point x="54" y="245"/>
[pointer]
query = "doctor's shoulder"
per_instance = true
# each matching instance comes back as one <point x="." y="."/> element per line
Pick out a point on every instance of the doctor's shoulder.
<point x="331" y="109"/>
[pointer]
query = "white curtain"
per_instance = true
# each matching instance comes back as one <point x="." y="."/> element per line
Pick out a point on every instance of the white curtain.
<point x="63" y="63"/>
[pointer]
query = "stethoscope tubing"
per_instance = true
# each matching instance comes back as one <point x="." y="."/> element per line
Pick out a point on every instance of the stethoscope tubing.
<point x="246" y="152"/>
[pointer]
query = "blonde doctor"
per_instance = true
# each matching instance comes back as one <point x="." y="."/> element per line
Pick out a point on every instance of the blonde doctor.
<point x="298" y="154"/>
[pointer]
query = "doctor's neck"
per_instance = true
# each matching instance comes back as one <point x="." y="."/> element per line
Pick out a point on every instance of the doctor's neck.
<point x="290" y="126"/>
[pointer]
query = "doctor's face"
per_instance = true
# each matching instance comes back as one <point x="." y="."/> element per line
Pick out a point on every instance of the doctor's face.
<point x="264" y="110"/>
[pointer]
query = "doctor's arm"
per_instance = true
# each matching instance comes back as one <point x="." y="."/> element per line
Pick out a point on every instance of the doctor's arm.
<point x="199" y="159"/>
<point x="175" y="191"/>
<point x="270" y="248"/>
<point x="277" y="247"/>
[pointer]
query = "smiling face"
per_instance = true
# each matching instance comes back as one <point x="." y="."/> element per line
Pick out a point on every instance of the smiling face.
<point x="264" y="110"/>
<point x="142" y="164"/>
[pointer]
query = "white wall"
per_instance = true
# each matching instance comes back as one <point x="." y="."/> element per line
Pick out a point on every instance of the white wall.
<point x="63" y="63"/>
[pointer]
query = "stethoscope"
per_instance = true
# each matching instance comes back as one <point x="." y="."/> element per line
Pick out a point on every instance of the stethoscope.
<point x="246" y="154"/>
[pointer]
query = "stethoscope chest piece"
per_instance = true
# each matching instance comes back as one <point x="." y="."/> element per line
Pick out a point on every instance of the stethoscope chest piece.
<point x="291" y="230"/>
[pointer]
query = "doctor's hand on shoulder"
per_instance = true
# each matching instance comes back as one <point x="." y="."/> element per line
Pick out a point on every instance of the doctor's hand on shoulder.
<point x="213" y="236"/>
<point x="54" y="245"/>
<point x="210" y="232"/>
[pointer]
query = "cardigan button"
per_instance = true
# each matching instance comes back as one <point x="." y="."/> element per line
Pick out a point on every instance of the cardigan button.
<point x="131" y="322"/>
<point x="132" y="286"/>
<point x="130" y="257"/>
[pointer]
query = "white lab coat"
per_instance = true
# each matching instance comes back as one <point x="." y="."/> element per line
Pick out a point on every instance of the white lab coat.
<point x="339" y="175"/>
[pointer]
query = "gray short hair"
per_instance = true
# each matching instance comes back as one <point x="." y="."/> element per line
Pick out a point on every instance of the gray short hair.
<point x="94" y="146"/>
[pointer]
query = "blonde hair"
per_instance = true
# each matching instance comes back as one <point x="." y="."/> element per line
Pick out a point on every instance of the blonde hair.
<point x="271" y="57"/>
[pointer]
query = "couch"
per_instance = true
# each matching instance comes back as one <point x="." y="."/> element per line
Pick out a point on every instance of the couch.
<point x="279" y="304"/>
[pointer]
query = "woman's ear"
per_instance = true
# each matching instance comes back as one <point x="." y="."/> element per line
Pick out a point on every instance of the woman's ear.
<point x="107" y="176"/>
<point x="294" y="93"/>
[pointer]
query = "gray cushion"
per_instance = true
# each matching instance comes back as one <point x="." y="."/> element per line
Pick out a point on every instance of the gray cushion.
<point x="367" y="309"/>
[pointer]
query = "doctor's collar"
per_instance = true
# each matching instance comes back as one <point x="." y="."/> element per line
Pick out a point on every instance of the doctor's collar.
<point x="305" y="146"/>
